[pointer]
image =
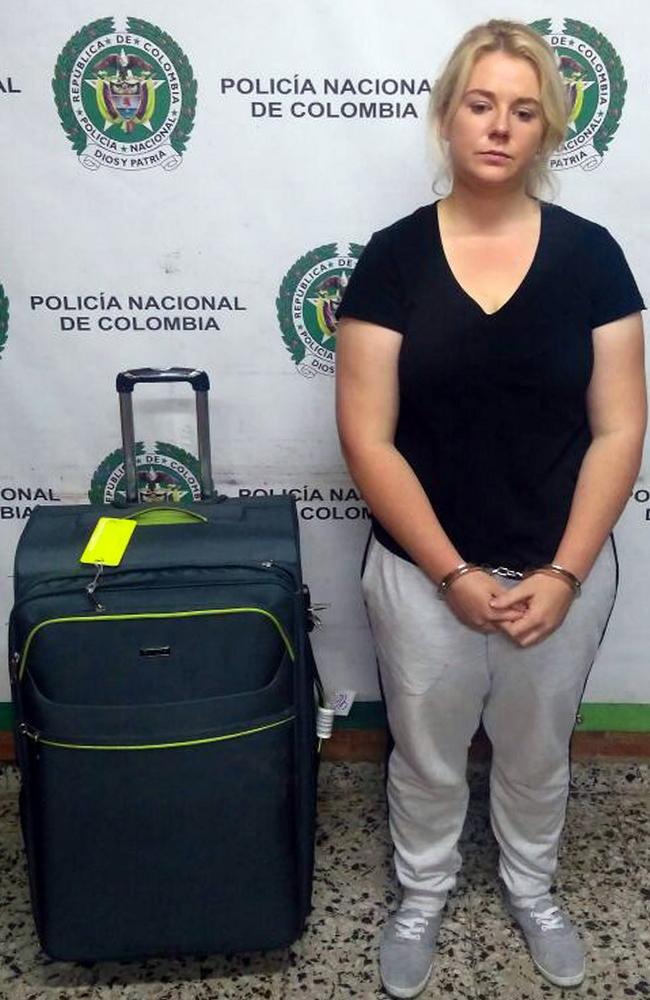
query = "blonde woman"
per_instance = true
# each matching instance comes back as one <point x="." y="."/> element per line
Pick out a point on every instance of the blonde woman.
<point x="491" y="409"/>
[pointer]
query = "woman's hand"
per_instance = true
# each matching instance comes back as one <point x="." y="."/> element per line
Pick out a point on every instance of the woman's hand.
<point x="471" y="597"/>
<point x="547" y="600"/>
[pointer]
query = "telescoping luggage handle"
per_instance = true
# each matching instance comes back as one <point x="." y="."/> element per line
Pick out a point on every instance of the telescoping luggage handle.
<point x="125" y="383"/>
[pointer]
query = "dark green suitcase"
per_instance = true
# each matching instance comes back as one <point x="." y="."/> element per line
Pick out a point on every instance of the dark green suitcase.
<point x="165" y="726"/>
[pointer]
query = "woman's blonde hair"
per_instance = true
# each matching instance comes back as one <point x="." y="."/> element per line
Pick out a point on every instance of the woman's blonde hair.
<point x="517" y="40"/>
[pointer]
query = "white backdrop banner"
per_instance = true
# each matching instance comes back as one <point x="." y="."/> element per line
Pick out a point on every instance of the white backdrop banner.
<point x="192" y="185"/>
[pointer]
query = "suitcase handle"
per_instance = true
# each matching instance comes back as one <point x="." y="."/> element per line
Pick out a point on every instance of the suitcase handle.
<point x="126" y="381"/>
<point x="198" y="379"/>
<point x="162" y="514"/>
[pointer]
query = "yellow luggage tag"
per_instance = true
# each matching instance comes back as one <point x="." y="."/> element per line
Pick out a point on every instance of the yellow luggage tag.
<point x="109" y="541"/>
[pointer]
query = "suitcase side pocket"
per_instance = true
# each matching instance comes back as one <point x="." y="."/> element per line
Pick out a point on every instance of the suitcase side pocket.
<point x="183" y="845"/>
<point x="161" y="656"/>
<point x="181" y="850"/>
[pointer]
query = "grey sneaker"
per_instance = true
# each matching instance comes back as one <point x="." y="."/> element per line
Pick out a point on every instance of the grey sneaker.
<point x="406" y="951"/>
<point x="552" y="940"/>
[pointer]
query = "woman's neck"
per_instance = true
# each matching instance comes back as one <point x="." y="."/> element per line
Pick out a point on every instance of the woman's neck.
<point x="487" y="209"/>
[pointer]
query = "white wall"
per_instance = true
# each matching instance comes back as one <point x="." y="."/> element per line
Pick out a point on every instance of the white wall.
<point x="252" y="196"/>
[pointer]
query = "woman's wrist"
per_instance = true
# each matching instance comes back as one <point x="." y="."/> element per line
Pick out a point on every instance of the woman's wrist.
<point x="450" y="578"/>
<point x="560" y="573"/>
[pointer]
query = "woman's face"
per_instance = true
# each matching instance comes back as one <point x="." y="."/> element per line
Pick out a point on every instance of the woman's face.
<point x="498" y="126"/>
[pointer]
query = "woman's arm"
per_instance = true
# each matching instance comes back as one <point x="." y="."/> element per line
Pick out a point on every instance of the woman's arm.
<point x="616" y="406"/>
<point x="367" y="401"/>
<point x="367" y="406"/>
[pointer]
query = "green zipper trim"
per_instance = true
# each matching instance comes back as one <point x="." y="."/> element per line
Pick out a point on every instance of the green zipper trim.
<point x="161" y="746"/>
<point x="155" y="614"/>
<point x="164" y="515"/>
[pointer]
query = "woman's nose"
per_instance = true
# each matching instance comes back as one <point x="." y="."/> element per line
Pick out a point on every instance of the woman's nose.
<point x="500" y="125"/>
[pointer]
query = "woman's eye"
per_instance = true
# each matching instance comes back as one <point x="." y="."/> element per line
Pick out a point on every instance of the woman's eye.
<point x="525" y="114"/>
<point x="479" y="108"/>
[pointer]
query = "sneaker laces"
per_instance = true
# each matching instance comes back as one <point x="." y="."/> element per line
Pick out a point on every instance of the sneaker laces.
<point x="410" y="928"/>
<point x="551" y="919"/>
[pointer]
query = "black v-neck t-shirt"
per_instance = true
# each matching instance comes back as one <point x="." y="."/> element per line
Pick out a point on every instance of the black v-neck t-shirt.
<point x="492" y="409"/>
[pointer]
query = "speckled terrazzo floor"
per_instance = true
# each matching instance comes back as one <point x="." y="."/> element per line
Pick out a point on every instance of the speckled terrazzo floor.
<point x="604" y="883"/>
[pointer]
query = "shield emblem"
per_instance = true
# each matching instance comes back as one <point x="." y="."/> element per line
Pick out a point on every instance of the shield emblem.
<point x="125" y="101"/>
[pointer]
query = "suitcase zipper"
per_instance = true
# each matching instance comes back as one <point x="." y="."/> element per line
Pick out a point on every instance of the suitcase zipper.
<point x="89" y="588"/>
<point x="155" y="615"/>
<point x="110" y="587"/>
<point x="38" y="738"/>
<point x="92" y="587"/>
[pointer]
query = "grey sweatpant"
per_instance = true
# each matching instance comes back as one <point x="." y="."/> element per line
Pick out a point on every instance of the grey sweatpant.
<point x="440" y="678"/>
